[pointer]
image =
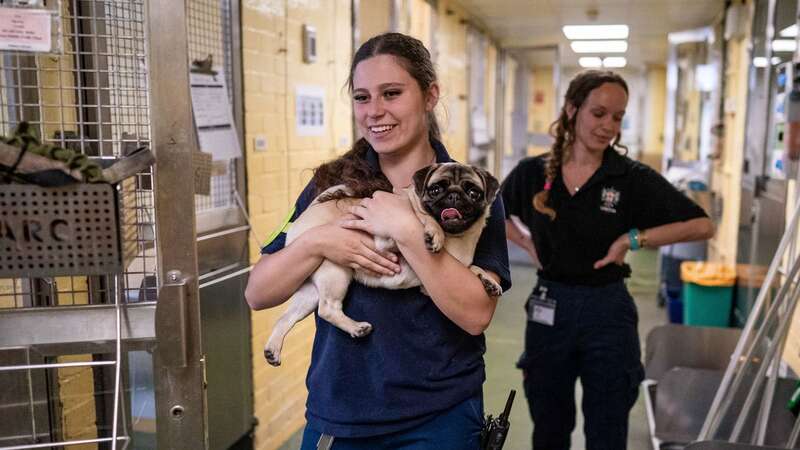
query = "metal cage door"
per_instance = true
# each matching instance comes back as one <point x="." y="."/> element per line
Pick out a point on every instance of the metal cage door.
<point x="111" y="360"/>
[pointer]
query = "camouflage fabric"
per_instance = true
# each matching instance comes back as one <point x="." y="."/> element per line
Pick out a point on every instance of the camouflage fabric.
<point x="24" y="137"/>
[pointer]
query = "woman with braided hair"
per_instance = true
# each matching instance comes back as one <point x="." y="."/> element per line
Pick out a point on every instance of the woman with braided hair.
<point x="586" y="205"/>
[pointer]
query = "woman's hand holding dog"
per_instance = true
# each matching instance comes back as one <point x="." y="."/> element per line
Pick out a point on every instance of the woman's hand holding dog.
<point x="354" y="249"/>
<point x="386" y="215"/>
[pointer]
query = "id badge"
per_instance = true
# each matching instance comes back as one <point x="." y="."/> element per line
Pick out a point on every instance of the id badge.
<point x="541" y="308"/>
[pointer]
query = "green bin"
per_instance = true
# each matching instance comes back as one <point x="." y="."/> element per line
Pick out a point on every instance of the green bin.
<point x="707" y="293"/>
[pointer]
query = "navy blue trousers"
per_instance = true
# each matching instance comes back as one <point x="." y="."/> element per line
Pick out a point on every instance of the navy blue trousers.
<point x="458" y="428"/>
<point x="594" y="338"/>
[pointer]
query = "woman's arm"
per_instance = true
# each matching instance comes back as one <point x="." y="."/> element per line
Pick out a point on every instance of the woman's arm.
<point x="276" y="277"/>
<point x="698" y="229"/>
<point x="454" y="288"/>
<point x="515" y="235"/>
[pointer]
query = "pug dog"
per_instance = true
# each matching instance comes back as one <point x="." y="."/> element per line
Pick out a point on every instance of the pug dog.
<point x="451" y="200"/>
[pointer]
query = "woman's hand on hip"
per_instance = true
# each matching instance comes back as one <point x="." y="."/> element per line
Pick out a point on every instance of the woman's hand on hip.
<point x="385" y="214"/>
<point x="616" y="253"/>
<point x="355" y="249"/>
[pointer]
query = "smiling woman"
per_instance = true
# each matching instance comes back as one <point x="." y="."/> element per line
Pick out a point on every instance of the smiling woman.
<point x="587" y="205"/>
<point x="416" y="380"/>
<point x="389" y="106"/>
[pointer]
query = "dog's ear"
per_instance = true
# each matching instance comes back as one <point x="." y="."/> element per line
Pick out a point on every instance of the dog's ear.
<point x="420" y="178"/>
<point x="490" y="183"/>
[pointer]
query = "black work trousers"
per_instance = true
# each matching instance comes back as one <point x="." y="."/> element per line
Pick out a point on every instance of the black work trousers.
<point x="594" y="338"/>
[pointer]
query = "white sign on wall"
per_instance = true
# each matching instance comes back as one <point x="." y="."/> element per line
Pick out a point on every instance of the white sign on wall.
<point x="213" y="116"/>
<point x="24" y="29"/>
<point x="309" y="104"/>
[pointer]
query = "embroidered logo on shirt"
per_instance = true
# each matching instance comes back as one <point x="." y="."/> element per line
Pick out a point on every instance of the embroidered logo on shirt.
<point x="609" y="199"/>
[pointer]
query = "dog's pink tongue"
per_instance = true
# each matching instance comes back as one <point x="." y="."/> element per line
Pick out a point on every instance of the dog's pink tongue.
<point x="450" y="213"/>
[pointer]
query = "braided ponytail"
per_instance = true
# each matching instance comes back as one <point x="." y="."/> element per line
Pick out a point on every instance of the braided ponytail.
<point x="563" y="130"/>
<point x="559" y="152"/>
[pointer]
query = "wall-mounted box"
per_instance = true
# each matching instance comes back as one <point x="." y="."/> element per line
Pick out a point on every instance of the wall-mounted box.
<point x="309" y="44"/>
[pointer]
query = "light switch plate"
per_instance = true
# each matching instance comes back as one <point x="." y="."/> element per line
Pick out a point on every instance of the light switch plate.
<point x="260" y="143"/>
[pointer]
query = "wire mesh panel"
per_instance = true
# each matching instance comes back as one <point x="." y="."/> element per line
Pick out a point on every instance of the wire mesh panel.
<point x="92" y="98"/>
<point x="210" y="26"/>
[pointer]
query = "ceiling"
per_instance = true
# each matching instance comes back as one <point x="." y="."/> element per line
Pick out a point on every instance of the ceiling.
<point x="524" y="23"/>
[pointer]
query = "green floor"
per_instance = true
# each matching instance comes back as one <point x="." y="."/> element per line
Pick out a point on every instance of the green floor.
<point x="505" y="341"/>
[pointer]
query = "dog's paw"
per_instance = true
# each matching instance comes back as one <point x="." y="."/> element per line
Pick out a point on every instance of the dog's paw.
<point x="434" y="241"/>
<point x="490" y="286"/>
<point x="361" y="329"/>
<point x="274" y="359"/>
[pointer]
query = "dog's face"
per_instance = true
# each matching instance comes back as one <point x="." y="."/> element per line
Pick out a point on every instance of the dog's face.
<point x="455" y="194"/>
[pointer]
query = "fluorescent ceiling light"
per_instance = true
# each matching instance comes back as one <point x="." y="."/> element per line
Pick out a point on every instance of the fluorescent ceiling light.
<point x="614" y="61"/>
<point x="790" y="31"/>
<point x="595" y="31"/>
<point x="760" y="61"/>
<point x="599" y="46"/>
<point x="784" y="45"/>
<point x="590" y="61"/>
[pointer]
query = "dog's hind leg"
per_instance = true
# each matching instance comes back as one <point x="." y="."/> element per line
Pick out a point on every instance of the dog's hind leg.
<point x="332" y="282"/>
<point x="301" y="305"/>
<point x="492" y="288"/>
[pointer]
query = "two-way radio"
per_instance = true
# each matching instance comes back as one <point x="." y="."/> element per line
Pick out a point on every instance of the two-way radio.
<point x="494" y="432"/>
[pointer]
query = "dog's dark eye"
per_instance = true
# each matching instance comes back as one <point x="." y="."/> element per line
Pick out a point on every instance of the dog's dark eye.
<point x="474" y="194"/>
<point x="435" y="190"/>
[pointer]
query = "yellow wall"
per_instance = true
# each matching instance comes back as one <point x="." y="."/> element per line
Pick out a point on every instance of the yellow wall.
<point x="374" y="17"/>
<point x="451" y="63"/>
<point x="273" y="68"/>
<point x="76" y="384"/>
<point x="444" y="32"/>
<point x="511" y="75"/>
<point x="541" y="105"/>
<point x="653" y="150"/>
<point x="418" y="16"/>
<point x="490" y="86"/>
<point x="490" y="103"/>
<point x="726" y="179"/>
<point x="8" y="289"/>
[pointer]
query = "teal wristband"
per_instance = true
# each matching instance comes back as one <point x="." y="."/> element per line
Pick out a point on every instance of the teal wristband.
<point x="633" y="238"/>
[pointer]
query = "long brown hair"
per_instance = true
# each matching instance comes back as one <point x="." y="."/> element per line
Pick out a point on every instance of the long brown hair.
<point x="563" y="129"/>
<point x="352" y="169"/>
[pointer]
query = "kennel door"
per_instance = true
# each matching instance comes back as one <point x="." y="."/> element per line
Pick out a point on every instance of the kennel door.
<point x="108" y="358"/>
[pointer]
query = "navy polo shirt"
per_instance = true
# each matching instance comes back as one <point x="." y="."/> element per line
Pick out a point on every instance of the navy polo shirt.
<point x="415" y="364"/>
<point x="622" y="194"/>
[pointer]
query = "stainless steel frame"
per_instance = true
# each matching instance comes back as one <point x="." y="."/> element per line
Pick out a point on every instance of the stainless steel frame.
<point x="91" y="98"/>
<point x="179" y="364"/>
<point x="214" y="28"/>
<point x="122" y="81"/>
<point x="757" y="350"/>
